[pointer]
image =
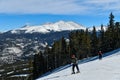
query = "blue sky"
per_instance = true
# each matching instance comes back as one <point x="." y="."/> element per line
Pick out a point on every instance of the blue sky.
<point x="17" y="13"/>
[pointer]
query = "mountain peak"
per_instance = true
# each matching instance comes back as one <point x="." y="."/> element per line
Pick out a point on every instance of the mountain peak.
<point x="45" y="28"/>
<point x="25" y="26"/>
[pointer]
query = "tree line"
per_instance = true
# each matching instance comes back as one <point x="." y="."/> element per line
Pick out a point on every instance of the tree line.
<point x="82" y="43"/>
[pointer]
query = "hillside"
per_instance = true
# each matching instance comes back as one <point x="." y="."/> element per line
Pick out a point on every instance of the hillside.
<point x="92" y="69"/>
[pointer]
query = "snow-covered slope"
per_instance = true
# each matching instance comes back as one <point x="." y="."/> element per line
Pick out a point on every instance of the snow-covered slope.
<point x="10" y="54"/>
<point x="58" y="26"/>
<point x="106" y="69"/>
<point x="98" y="28"/>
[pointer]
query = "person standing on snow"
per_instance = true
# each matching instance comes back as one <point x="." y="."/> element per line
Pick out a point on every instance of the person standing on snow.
<point x="100" y="55"/>
<point x="74" y="62"/>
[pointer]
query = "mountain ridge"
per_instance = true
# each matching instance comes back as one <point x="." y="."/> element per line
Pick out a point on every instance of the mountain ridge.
<point x="46" y="28"/>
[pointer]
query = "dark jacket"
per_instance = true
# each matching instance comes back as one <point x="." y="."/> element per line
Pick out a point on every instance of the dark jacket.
<point x="74" y="60"/>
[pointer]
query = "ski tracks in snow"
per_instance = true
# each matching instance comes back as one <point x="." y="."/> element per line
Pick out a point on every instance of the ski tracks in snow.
<point x="55" y="77"/>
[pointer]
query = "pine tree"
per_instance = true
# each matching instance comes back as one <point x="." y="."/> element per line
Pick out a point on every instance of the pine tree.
<point x="110" y="34"/>
<point x="38" y="65"/>
<point x="55" y="53"/>
<point x="101" y="44"/>
<point x="80" y="43"/>
<point x="111" y="21"/>
<point x="47" y="54"/>
<point x="87" y="42"/>
<point x="65" y="51"/>
<point x="94" y="42"/>
<point x="117" y="35"/>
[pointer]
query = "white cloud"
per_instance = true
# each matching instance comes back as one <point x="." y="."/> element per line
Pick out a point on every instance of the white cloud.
<point x="103" y="5"/>
<point x="58" y="6"/>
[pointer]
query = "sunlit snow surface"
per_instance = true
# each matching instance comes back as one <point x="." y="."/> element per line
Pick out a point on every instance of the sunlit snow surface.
<point x="106" y="69"/>
<point x="46" y="28"/>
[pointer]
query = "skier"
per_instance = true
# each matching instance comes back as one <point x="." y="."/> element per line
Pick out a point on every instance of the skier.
<point x="74" y="63"/>
<point x="100" y="55"/>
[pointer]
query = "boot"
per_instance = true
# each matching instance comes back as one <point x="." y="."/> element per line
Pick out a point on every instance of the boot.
<point x="78" y="72"/>
<point x="73" y="72"/>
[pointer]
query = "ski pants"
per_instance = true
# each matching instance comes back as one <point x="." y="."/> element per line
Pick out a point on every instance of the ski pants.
<point x="100" y="56"/>
<point x="73" y="67"/>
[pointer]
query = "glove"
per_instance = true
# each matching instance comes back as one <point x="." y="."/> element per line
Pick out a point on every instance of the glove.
<point x="71" y="63"/>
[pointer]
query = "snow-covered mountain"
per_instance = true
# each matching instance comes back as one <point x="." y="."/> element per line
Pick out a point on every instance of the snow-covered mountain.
<point x="91" y="69"/>
<point x="46" y="28"/>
